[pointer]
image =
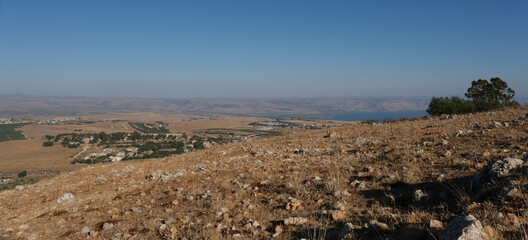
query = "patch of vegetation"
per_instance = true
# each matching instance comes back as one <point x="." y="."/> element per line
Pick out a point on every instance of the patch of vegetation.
<point x="368" y="121"/>
<point x="22" y="174"/>
<point x="483" y="95"/>
<point x="8" y="132"/>
<point x="47" y="144"/>
<point x="12" y="185"/>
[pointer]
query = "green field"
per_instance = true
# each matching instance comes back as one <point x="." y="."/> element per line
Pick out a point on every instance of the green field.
<point x="8" y="132"/>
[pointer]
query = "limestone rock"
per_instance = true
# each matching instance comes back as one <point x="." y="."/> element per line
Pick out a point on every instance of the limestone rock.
<point x="463" y="228"/>
<point x="65" y="198"/>
<point x="503" y="167"/>
<point x="163" y="176"/>
<point x="295" y="221"/>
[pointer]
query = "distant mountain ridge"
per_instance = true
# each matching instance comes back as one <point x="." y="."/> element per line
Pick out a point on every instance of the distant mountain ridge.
<point x="274" y="107"/>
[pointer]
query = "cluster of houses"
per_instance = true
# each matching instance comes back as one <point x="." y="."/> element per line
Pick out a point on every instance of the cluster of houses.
<point x="56" y="121"/>
<point x="10" y="121"/>
<point x="115" y="155"/>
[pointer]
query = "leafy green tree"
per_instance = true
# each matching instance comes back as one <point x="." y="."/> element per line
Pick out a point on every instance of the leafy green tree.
<point x="491" y="95"/>
<point x="22" y="174"/>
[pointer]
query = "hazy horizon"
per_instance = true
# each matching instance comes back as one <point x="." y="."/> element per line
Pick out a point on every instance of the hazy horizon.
<point x="272" y="49"/>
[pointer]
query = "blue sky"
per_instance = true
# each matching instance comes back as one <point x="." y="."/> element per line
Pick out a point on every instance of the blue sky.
<point x="259" y="49"/>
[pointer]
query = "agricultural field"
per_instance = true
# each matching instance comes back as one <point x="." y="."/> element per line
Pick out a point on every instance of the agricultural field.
<point x="9" y="132"/>
<point x="54" y="142"/>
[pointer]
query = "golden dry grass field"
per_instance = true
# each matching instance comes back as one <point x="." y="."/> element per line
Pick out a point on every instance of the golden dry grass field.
<point x="31" y="156"/>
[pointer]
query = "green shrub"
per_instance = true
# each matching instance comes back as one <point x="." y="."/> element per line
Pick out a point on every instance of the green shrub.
<point x="22" y="174"/>
<point x="452" y="105"/>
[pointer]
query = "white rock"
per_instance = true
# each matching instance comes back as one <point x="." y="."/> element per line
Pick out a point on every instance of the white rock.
<point x="66" y="197"/>
<point x="502" y="167"/>
<point x="163" y="176"/>
<point x="108" y="226"/>
<point x="295" y="221"/>
<point x="419" y="195"/>
<point x="463" y="228"/>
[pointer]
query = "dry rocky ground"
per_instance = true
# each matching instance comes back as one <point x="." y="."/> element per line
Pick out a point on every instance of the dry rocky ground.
<point x="433" y="178"/>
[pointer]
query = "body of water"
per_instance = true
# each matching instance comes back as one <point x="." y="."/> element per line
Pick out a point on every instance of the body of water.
<point x="378" y="116"/>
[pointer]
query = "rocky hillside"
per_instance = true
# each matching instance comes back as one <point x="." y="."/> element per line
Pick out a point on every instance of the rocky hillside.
<point x="432" y="178"/>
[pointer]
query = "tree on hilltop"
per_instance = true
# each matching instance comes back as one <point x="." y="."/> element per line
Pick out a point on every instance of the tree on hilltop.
<point x="483" y="95"/>
<point x="491" y="95"/>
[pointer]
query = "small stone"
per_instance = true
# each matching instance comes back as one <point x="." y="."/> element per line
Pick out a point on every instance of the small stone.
<point x="115" y="216"/>
<point x="436" y="224"/>
<point x="278" y="231"/>
<point x="108" y="226"/>
<point x="175" y="202"/>
<point x="512" y="192"/>
<point x="338" y="215"/>
<point x="497" y="124"/>
<point x="440" y="178"/>
<point x="163" y="227"/>
<point x="85" y="230"/>
<point x="248" y="226"/>
<point x="445" y="142"/>
<point x="419" y="195"/>
<point x="256" y="224"/>
<point x="293" y="204"/>
<point x="20" y="187"/>
<point x="357" y="184"/>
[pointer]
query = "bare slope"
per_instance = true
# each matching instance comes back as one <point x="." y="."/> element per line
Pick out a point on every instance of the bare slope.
<point x="307" y="185"/>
